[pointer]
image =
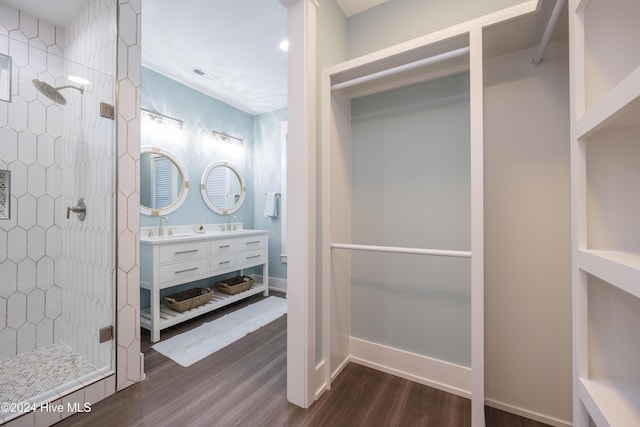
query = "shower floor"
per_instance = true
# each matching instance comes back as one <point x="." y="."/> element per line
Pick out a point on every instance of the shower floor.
<point x="34" y="375"/>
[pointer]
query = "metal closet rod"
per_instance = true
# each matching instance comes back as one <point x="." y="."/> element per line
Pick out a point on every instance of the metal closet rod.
<point x="548" y="32"/>
<point x="400" y="250"/>
<point x="405" y="67"/>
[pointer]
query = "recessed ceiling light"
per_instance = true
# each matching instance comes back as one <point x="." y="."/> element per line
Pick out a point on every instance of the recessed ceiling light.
<point x="78" y="80"/>
<point x="284" y="45"/>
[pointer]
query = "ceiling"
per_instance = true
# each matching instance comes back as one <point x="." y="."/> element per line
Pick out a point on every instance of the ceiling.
<point x="235" y="43"/>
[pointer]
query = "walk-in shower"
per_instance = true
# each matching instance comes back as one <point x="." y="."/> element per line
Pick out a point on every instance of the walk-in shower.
<point x="57" y="272"/>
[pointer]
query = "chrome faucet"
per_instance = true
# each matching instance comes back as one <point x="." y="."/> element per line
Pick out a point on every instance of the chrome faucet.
<point x="229" y="221"/>
<point x="160" y="228"/>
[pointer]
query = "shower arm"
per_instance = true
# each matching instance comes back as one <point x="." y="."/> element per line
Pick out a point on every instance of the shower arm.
<point x="81" y="89"/>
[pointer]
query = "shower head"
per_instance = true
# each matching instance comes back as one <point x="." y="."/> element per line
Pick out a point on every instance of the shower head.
<point x="53" y="93"/>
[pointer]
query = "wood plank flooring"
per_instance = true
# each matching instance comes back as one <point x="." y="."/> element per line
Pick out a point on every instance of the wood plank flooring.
<point x="244" y="384"/>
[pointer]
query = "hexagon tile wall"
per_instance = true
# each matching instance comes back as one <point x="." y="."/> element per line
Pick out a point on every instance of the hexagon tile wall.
<point x="42" y="145"/>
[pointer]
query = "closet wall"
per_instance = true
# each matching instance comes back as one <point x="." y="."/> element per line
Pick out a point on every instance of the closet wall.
<point x="528" y="234"/>
<point x="396" y="21"/>
<point x="410" y="177"/>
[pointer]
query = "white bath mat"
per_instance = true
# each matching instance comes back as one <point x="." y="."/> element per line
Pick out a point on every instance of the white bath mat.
<point x="198" y="343"/>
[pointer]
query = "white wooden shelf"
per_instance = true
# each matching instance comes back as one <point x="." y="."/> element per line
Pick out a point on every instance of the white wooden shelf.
<point x="620" y="269"/>
<point x="620" y="107"/>
<point x="611" y="403"/>
<point x="169" y="317"/>
<point x="605" y="80"/>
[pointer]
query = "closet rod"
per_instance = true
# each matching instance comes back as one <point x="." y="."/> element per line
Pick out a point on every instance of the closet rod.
<point x="399" y="250"/>
<point x="548" y="32"/>
<point x="406" y="67"/>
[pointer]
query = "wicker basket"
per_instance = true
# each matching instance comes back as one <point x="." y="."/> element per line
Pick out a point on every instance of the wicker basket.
<point x="235" y="285"/>
<point x="186" y="300"/>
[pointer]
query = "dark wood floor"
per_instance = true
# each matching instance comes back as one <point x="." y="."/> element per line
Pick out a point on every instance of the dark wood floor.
<point x="244" y="384"/>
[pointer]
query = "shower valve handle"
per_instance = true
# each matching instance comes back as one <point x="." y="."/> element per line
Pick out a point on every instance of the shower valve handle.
<point x="80" y="209"/>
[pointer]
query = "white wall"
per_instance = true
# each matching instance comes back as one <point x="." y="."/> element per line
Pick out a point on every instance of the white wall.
<point x="527" y="233"/>
<point x="396" y="21"/>
<point x="332" y="49"/>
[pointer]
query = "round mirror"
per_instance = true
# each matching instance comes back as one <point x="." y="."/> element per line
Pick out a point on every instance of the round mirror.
<point x="222" y="188"/>
<point x="163" y="182"/>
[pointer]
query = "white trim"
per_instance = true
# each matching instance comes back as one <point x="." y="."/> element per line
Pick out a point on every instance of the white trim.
<point x="532" y="415"/>
<point x="275" y="283"/>
<point x="319" y="379"/>
<point x="415" y="367"/>
<point x="284" y="129"/>
<point x="476" y="104"/>
<point x="301" y="209"/>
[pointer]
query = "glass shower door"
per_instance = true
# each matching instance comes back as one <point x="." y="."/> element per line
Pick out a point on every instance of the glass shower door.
<point x="57" y="262"/>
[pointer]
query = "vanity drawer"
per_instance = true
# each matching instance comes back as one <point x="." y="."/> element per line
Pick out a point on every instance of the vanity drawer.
<point x="252" y="242"/>
<point x="183" y="271"/>
<point x="223" y="246"/>
<point x="223" y="262"/>
<point x="249" y="258"/>
<point x="183" y="251"/>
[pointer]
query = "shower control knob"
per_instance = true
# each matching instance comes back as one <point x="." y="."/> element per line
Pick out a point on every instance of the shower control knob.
<point x="80" y="209"/>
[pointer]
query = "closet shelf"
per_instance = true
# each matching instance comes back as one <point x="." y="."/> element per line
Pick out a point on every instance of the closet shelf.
<point x="619" y="107"/>
<point x="620" y="269"/>
<point x="611" y="403"/>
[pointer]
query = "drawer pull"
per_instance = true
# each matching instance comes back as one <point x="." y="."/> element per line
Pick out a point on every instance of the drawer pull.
<point x="253" y="243"/>
<point x="253" y="256"/>
<point x="187" y="270"/>
<point x="224" y="246"/>
<point x="186" y="252"/>
<point x="224" y="262"/>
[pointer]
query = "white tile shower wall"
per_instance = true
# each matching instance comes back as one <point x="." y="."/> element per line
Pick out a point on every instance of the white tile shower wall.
<point x="128" y="224"/>
<point x="88" y="172"/>
<point x="30" y="300"/>
<point x="39" y="245"/>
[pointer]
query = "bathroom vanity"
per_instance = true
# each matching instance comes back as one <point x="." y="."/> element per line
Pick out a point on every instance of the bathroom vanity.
<point x="183" y="257"/>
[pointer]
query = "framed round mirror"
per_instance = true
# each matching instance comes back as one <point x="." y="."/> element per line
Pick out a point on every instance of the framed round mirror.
<point x="164" y="183"/>
<point x="222" y="188"/>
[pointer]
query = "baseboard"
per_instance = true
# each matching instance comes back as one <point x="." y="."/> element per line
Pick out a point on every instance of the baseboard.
<point x="276" y="284"/>
<point x="425" y="370"/>
<point x="339" y="369"/>
<point x="535" y="416"/>
<point x="320" y="379"/>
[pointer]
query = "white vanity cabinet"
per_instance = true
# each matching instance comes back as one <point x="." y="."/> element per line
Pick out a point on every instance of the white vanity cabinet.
<point x="169" y="261"/>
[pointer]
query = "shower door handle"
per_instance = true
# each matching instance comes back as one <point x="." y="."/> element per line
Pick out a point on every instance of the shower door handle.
<point x="80" y="209"/>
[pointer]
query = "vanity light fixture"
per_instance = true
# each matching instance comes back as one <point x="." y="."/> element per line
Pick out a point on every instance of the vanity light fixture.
<point x="159" y="118"/>
<point x="284" y="45"/>
<point x="231" y="140"/>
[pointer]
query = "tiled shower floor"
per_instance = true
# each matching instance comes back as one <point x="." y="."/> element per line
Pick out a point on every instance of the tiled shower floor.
<point x="29" y="376"/>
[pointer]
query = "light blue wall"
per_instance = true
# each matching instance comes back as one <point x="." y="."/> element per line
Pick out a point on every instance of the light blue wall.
<point x="200" y="113"/>
<point x="411" y="188"/>
<point x="259" y="166"/>
<point x="267" y="178"/>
